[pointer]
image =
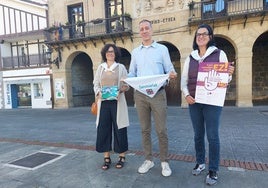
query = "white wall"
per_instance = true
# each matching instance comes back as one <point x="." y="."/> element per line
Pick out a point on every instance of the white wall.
<point x="21" y="18"/>
<point x="28" y="76"/>
<point x="45" y="101"/>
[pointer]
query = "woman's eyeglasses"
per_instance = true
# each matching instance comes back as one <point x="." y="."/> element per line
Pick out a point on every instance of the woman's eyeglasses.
<point x="201" y="34"/>
<point x="109" y="51"/>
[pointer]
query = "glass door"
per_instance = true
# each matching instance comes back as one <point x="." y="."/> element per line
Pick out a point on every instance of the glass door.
<point x="24" y="95"/>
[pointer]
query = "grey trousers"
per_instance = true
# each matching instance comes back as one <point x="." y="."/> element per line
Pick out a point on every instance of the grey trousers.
<point x="156" y="107"/>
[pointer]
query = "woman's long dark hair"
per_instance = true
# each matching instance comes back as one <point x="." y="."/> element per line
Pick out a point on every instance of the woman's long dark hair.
<point x="105" y="49"/>
<point x="211" y="36"/>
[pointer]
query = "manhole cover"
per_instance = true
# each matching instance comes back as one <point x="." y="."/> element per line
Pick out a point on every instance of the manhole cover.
<point x="36" y="160"/>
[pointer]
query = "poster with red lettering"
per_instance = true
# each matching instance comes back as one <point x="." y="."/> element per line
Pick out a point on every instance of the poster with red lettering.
<point x="212" y="82"/>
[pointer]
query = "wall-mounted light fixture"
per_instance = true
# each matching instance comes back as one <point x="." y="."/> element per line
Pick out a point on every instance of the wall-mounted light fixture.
<point x="49" y="57"/>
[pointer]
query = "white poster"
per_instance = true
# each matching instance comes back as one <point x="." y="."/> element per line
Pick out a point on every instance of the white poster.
<point x="59" y="89"/>
<point x="212" y="82"/>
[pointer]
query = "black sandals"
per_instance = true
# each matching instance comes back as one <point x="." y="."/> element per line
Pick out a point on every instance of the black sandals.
<point x="106" y="164"/>
<point x="121" y="162"/>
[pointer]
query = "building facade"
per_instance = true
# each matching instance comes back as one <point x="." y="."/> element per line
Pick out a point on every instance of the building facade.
<point x="77" y="33"/>
<point x="26" y="75"/>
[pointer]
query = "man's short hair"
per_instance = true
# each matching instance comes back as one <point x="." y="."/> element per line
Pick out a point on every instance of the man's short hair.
<point x="145" y="20"/>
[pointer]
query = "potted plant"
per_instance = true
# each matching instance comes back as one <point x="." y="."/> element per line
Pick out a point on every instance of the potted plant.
<point x="97" y="21"/>
<point x="114" y="17"/>
<point x="66" y="25"/>
<point x="51" y="32"/>
<point x="127" y="16"/>
<point x="80" y="23"/>
<point x="52" y="28"/>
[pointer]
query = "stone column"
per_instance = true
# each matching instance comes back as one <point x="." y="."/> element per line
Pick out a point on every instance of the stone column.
<point x="184" y="53"/>
<point x="243" y="70"/>
<point x="63" y="74"/>
<point x="62" y="102"/>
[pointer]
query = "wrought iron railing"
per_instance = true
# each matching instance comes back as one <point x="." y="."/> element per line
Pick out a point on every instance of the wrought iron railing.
<point x="94" y="28"/>
<point x="216" y="9"/>
<point x="33" y="60"/>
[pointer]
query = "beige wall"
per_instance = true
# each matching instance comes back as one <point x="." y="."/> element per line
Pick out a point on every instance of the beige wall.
<point x="170" y="23"/>
<point x="58" y="10"/>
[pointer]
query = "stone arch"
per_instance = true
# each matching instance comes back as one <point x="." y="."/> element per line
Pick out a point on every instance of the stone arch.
<point x="79" y="78"/>
<point x="260" y="70"/>
<point x="226" y="45"/>
<point x="125" y="59"/>
<point x="173" y="89"/>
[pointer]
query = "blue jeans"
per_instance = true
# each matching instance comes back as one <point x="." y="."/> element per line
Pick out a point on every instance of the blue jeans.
<point x="206" y="118"/>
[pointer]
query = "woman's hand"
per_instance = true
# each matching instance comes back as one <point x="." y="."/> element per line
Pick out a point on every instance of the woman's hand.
<point x="98" y="96"/>
<point x="189" y="99"/>
<point x="231" y="68"/>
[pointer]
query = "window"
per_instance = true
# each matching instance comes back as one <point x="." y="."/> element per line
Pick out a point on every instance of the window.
<point x="114" y="8"/>
<point x="219" y="6"/>
<point x="214" y="8"/>
<point x="75" y="15"/>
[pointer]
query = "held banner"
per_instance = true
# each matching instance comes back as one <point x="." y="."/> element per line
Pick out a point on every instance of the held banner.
<point x="148" y="85"/>
<point x="212" y="81"/>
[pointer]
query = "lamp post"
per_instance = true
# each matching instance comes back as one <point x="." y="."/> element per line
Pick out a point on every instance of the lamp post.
<point x="49" y="57"/>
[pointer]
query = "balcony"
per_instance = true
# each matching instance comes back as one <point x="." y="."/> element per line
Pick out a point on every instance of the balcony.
<point x="211" y="10"/>
<point x="21" y="62"/>
<point x="99" y="29"/>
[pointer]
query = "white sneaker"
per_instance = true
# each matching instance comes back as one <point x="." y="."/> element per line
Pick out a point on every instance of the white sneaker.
<point x="198" y="169"/>
<point x="146" y="166"/>
<point x="166" y="171"/>
<point x="212" y="178"/>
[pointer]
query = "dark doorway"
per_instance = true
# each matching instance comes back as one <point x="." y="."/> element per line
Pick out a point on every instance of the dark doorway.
<point x="125" y="59"/>
<point x="82" y="80"/>
<point x="260" y="70"/>
<point x="173" y="89"/>
<point x="228" y="48"/>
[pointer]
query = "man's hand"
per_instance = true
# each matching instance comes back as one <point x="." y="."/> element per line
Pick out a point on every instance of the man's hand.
<point x="172" y="75"/>
<point x="124" y="87"/>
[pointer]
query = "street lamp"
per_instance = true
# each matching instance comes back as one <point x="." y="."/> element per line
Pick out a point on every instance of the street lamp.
<point x="48" y="54"/>
<point x="49" y="57"/>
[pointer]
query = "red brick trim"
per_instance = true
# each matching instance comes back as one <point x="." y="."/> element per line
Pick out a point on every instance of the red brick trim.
<point x="248" y="165"/>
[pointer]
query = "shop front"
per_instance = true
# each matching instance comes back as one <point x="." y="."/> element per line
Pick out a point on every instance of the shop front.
<point x="27" y="91"/>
